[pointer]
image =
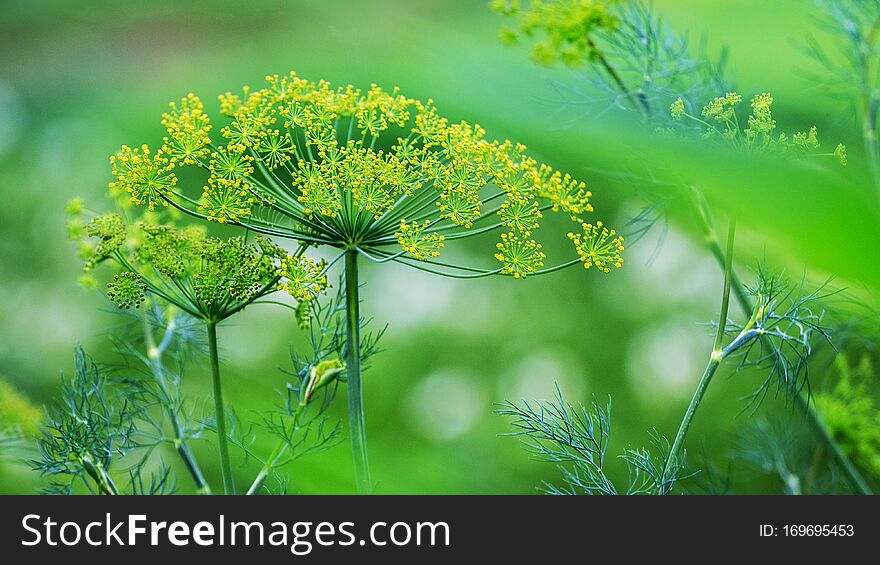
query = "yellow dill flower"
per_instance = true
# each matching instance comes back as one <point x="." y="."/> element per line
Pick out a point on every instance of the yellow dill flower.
<point x="722" y="109"/>
<point x="521" y="213"/>
<point x="230" y="162"/>
<point x="317" y="193"/>
<point x="274" y="148"/>
<point x="225" y="200"/>
<point x="416" y="242"/>
<point x="806" y="141"/>
<point x="761" y="122"/>
<point x="519" y="257"/>
<point x="759" y="133"/>
<point x="840" y="153"/>
<point x="188" y="127"/>
<point x="302" y="277"/>
<point x="565" y="26"/>
<point x="676" y="110"/>
<point x="563" y="192"/>
<point x="598" y="247"/>
<point x="147" y="177"/>
<point x="354" y="169"/>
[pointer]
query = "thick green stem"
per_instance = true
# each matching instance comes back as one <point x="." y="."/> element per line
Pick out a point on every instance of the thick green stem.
<point x="801" y="400"/>
<point x="714" y="361"/>
<point x="353" y="374"/>
<point x="219" y="412"/>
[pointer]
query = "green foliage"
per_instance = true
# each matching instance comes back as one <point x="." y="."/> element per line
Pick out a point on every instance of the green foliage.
<point x="633" y="55"/>
<point x="778" y="340"/>
<point x="86" y="432"/>
<point x="576" y="439"/>
<point x="300" y="425"/>
<point x="850" y="412"/>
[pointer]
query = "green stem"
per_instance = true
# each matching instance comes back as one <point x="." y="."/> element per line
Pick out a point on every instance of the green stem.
<point x="714" y="361"/>
<point x="154" y="354"/>
<point x="353" y="374"/>
<point x="637" y="100"/>
<point x="219" y="412"/>
<point x="277" y="452"/>
<point x="99" y="475"/>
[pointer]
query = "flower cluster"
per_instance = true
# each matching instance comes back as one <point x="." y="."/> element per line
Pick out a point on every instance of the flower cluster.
<point x="127" y="289"/>
<point x="598" y="247"/>
<point x="520" y="257"/>
<point x="146" y="176"/>
<point x="302" y="278"/>
<point x="719" y="119"/>
<point x="354" y="169"/>
<point x="206" y="276"/>
<point x="566" y="27"/>
<point x="110" y="232"/>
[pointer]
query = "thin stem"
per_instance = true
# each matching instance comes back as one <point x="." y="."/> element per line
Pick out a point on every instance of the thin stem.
<point x="219" y="412"/>
<point x="353" y="374"/>
<point x="714" y="361"/>
<point x="870" y="102"/>
<point x="638" y="100"/>
<point x="154" y="355"/>
<point x="279" y="449"/>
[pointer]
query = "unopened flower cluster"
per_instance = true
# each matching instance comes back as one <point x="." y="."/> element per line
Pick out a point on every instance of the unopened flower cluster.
<point x="207" y="276"/>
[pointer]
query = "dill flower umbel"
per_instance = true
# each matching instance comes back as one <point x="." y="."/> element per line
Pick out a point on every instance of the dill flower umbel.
<point x="372" y="173"/>
<point x="208" y="277"/>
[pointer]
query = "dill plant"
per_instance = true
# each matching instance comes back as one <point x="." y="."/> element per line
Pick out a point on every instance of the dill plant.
<point x="651" y="70"/>
<point x="372" y="174"/>
<point x="852" y="59"/>
<point x="208" y="278"/>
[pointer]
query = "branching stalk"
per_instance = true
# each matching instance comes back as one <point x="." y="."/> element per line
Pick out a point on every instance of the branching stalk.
<point x="99" y="474"/>
<point x="801" y="400"/>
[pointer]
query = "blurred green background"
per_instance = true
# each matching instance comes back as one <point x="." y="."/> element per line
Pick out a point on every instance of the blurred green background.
<point x="78" y="79"/>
